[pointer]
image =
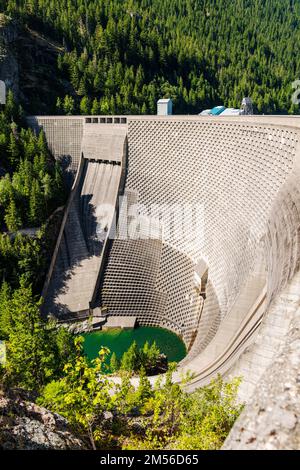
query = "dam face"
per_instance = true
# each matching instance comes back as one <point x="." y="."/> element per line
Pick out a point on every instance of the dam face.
<point x="218" y="283"/>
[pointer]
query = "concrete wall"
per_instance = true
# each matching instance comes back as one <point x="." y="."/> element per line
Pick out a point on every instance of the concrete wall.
<point x="271" y="419"/>
<point x="244" y="173"/>
<point x="72" y="282"/>
<point x="64" y="136"/>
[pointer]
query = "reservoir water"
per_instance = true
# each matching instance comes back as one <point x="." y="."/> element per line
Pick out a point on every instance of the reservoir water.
<point x="118" y="340"/>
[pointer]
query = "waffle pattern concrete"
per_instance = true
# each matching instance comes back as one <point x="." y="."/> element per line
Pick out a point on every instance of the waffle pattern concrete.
<point x="243" y="173"/>
<point x="64" y="137"/>
<point x="73" y="281"/>
<point x="242" y="318"/>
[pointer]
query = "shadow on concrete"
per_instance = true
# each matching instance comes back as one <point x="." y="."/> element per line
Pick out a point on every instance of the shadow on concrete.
<point x="82" y="240"/>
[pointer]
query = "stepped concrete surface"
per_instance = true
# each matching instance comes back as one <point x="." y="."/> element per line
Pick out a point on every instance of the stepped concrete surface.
<point x="237" y="314"/>
<point x="87" y="228"/>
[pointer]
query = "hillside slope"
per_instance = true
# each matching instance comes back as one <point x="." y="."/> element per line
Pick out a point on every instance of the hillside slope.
<point x="120" y="56"/>
<point x="28" y="65"/>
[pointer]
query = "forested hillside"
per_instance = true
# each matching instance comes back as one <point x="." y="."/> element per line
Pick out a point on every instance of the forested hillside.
<point x="31" y="188"/>
<point x="122" y="55"/>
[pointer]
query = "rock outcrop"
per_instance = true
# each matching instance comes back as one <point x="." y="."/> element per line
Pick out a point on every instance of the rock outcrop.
<point x="28" y="66"/>
<point x="9" y="69"/>
<point x="271" y="421"/>
<point x="27" y="426"/>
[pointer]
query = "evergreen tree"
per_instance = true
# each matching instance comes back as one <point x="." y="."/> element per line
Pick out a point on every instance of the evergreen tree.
<point x="60" y="190"/>
<point x="114" y="363"/>
<point x="48" y="188"/>
<point x="85" y="105"/>
<point x="64" y="347"/>
<point x="130" y="359"/>
<point x="30" y="360"/>
<point x="12" y="216"/>
<point x="153" y="354"/>
<point x="95" y="107"/>
<point x="13" y="150"/>
<point x="144" y="390"/>
<point x="69" y="105"/>
<point x="36" y="204"/>
<point x="42" y="144"/>
<point x="11" y="107"/>
<point x="5" y="315"/>
<point x="59" y="105"/>
<point x="6" y="190"/>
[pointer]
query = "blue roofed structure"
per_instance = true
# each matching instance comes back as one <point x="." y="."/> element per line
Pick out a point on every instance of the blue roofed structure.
<point x="217" y="110"/>
<point x="246" y="108"/>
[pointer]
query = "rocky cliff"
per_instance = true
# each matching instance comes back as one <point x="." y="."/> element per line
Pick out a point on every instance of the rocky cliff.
<point x="25" y="425"/>
<point x="9" y="70"/>
<point x="28" y="65"/>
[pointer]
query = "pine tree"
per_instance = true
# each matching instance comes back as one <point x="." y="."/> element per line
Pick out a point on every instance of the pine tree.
<point x="69" y="105"/>
<point x="11" y="108"/>
<point x="5" y="311"/>
<point x="130" y="359"/>
<point x="29" y="144"/>
<point x="82" y="89"/>
<point x="59" y="188"/>
<point x="85" y="105"/>
<point x="59" y="105"/>
<point x="12" y="216"/>
<point x="105" y="106"/>
<point x="144" y="390"/>
<point x="42" y="144"/>
<point x="30" y="360"/>
<point x="95" y="107"/>
<point x="36" y="204"/>
<point x="48" y="187"/>
<point x="6" y="190"/>
<point x="153" y="354"/>
<point x="13" y="150"/>
<point x="63" y="343"/>
<point x="75" y="77"/>
<point x="114" y="363"/>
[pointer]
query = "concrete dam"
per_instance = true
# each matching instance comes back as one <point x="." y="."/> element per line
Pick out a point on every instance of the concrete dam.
<point x="73" y="280"/>
<point x="229" y="288"/>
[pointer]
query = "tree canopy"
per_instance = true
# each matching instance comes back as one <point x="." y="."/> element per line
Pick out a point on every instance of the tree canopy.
<point x="32" y="185"/>
<point x="116" y="415"/>
<point x="120" y="56"/>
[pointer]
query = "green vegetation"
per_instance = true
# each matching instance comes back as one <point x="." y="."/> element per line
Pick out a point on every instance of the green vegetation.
<point x="33" y="184"/>
<point x="30" y="189"/>
<point x="23" y="256"/>
<point x="119" y="341"/>
<point x="120" y="56"/>
<point x="36" y="350"/>
<point x="118" y="416"/>
<point x="147" y="357"/>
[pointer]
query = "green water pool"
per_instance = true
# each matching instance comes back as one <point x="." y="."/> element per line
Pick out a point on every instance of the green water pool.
<point x="118" y="341"/>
